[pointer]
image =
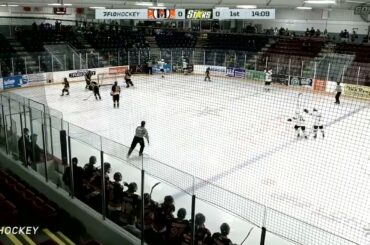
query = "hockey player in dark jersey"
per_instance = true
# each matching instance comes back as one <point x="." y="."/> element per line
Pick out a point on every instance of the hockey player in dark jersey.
<point x="94" y="186"/>
<point x="177" y="228"/>
<point x="207" y="75"/>
<point x="128" y="79"/>
<point x="89" y="169"/>
<point x="88" y="76"/>
<point x="166" y="209"/>
<point x="66" y="87"/>
<point x="96" y="90"/>
<point x="129" y="205"/>
<point x="116" y="91"/>
<point x="115" y="193"/>
<point x="220" y="238"/>
<point x="202" y="234"/>
<point x="149" y="210"/>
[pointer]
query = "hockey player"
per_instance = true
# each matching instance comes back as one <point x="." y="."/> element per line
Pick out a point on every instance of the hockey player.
<point x="114" y="198"/>
<point x="149" y="210"/>
<point x="338" y="89"/>
<point x="161" y="64"/>
<point x="66" y="87"/>
<point x="184" y="66"/>
<point x="268" y="79"/>
<point x="89" y="169"/>
<point x="220" y="238"/>
<point x="178" y="227"/>
<point x="96" y="90"/>
<point x="116" y="91"/>
<point x="299" y="126"/>
<point x="88" y="76"/>
<point x="207" y="75"/>
<point x="202" y="234"/>
<point x="128" y="79"/>
<point x="129" y="205"/>
<point x="140" y="133"/>
<point x="317" y="122"/>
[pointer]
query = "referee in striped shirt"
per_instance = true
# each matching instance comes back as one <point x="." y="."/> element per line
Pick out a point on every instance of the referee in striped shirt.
<point x="140" y="133"/>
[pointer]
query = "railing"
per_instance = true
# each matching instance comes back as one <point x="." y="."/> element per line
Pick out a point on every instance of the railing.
<point x="338" y="67"/>
<point x="58" y="141"/>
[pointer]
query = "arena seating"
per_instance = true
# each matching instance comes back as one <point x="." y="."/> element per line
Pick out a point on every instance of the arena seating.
<point x="243" y="42"/>
<point x="175" y="39"/>
<point x="112" y="39"/>
<point x="21" y="205"/>
<point x="6" y="53"/>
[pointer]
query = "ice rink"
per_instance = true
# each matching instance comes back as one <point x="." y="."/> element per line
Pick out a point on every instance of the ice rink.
<point x="236" y="136"/>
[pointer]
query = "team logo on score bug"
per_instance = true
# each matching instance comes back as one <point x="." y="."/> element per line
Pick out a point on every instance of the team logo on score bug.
<point x="200" y="14"/>
<point x="161" y="14"/>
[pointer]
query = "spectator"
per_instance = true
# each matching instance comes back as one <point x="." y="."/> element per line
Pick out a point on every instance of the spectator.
<point x="220" y="238"/>
<point x="24" y="146"/>
<point x="35" y="151"/>
<point x="77" y="178"/>
<point x="307" y="33"/>
<point x="318" y="33"/>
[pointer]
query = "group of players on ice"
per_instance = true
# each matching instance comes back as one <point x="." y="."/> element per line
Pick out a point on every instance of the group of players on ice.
<point x="300" y="122"/>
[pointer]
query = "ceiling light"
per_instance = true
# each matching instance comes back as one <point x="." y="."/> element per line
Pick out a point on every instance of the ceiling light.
<point x="320" y="1"/>
<point x="354" y="1"/>
<point x="148" y="4"/>
<point x="304" y="8"/>
<point x="97" y="7"/>
<point x="9" y="5"/>
<point x="247" y="6"/>
<point x="221" y="7"/>
<point x="54" y="4"/>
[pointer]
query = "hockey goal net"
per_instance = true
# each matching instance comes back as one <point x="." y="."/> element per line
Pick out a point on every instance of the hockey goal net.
<point x="114" y="74"/>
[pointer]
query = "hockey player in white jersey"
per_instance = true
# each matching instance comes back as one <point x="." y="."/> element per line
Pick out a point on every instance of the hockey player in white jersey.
<point x="318" y="124"/>
<point x="161" y="64"/>
<point x="299" y="126"/>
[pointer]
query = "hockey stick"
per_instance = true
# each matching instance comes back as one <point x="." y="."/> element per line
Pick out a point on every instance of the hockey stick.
<point x="298" y="101"/>
<point x="151" y="191"/>
<point x="88" y="97"/>
<point x="247" y="236"/>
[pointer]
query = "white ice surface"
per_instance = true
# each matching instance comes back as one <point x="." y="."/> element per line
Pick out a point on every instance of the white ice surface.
<point x="234" y="135"/>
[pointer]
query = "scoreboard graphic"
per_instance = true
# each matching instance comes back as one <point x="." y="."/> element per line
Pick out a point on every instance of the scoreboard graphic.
<point x="161" y="14"/>
<point x="189" y="14"/>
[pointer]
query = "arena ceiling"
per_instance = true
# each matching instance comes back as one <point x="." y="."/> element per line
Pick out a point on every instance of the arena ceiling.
<point x="342" y="4"/>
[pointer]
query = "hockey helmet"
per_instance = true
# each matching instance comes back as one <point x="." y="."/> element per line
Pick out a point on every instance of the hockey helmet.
<point x="107" y="167"/>
<point x="168" y="200"/>
<point x="132" y="187"/>
<point x="225" y="229"/>
<point x="200" y="219"/>
<point x="117" y="176"/>
<point x="181" y="213"/>
<point x="92" y="160"/>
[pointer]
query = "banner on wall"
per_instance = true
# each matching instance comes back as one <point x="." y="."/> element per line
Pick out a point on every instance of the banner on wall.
<point x="214" y="70"/>
<point x="80" y="73"/>
<point x="12" y="82"/>
<point x="300" y="81"/>
<point x="319" y="85"/>
<point x="118" y="70"/>
<point x="357" y="91"/>
<point x="281" y="79"/>
<point x="166" y="67"/>
<point x="236" y="72"/>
